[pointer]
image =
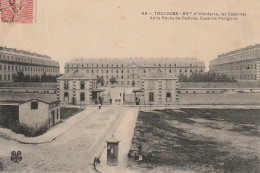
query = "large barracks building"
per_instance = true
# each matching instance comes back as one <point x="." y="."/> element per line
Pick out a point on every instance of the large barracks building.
<point x="241" y="64"/>
<point x="13" y="60"/>
<point x="130" y="71"/>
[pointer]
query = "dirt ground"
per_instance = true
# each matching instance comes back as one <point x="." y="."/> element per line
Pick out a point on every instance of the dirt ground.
<point x="66" y="113"/>
<point x="197" y="140"/>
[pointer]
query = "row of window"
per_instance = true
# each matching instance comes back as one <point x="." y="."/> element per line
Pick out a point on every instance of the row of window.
<point x="82" y="96"/>
<point x="6" y="77"/>
<point x="143" y="71"/>
<point x="237" y="67"/>
<point x="199" y="64"/>
<point x="151" y="84"/>
<point x="27" y="69"/>
<point x="244" y="76"/>
<point x="152" y="99"/>
<point x="236" y="58"/>
<point x="82" y="85"/>
<point x="27" y="60"/>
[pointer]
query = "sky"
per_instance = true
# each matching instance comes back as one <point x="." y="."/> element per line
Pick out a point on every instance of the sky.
<point x="66" y="29"/>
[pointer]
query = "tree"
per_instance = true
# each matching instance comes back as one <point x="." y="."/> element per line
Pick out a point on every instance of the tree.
<point x="20" y="77"/>
<point x="112" y="80"/>
<point x="206" y="77"/>
<point x="100" y="80"/>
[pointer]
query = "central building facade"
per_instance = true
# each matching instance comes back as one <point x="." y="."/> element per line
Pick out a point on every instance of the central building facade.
<point x="128" y="72"/>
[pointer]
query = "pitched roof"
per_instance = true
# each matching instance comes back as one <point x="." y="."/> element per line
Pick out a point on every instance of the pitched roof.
<point x="17" y="97"/>
<point x="159" y="74"/>
<point x="133" y="65"/>
<point x="77" y="74"/>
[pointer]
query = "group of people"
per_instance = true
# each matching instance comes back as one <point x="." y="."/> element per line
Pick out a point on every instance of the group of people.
<point x="110" y="101"/>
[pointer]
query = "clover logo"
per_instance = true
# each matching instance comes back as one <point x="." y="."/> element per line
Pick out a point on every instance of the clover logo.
<point x="16" y="156"/>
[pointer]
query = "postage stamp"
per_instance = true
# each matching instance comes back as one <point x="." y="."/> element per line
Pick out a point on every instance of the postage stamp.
<point x="17" y="11"/>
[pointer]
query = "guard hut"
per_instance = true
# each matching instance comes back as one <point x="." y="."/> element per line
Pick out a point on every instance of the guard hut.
<point x="112" y="151"/>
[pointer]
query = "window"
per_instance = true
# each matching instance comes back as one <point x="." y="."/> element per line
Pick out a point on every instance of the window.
<point x="34" y="105"/>
<point x="82" y="85"/>
<point x="82" y="96"/>
<point x="66" y="94"/>
<point x="57" y="113"/>
<point x="66" y="85"/>
<point x="151" y="96"/>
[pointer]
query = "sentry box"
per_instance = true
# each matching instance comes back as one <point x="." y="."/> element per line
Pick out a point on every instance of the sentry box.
<point x="112" y="151"/>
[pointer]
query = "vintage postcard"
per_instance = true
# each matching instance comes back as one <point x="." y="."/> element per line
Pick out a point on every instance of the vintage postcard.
<point x="140" y="86"/>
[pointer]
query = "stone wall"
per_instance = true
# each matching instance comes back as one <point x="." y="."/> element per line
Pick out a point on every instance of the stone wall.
<point x="220" y="99"/>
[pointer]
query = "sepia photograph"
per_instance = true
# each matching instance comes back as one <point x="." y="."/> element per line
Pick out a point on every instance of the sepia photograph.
<point x="130" y="86"/>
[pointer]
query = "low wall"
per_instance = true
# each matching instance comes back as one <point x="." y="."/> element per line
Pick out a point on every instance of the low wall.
<point x="29" y="84"/>
<point x="239" y="84"/>
<point x="220" y="99"/>
<point x="9" y="115"/>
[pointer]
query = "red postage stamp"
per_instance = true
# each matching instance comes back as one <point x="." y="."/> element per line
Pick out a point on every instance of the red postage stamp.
<point x="17" y="11"/>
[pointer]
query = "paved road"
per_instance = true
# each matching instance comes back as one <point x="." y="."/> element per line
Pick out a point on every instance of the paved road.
<point x="70" y="152"/>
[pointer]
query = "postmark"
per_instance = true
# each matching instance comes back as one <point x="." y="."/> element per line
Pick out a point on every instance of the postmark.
<point x="17" y="11"/>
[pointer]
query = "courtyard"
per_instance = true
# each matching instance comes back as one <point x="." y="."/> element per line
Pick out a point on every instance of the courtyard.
<point x="197" y="140"/>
